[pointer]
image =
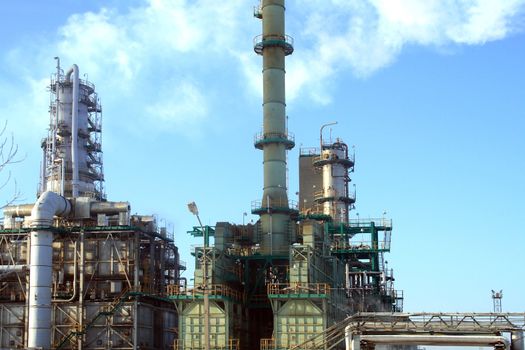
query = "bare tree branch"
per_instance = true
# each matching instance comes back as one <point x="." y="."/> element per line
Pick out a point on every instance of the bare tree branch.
<point x="8" y="156"/>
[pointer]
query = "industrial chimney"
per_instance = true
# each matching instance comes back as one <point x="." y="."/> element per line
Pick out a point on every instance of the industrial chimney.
<point x="274" y="140"/>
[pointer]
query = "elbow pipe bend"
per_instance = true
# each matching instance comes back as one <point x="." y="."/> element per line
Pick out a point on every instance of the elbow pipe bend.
<point x="47" y="206"/>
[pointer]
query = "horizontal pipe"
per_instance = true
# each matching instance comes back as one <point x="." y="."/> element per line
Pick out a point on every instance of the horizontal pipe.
<point x="18" y="210"/>
<point x="437" y="339"/>
<point x="109" y="207"/>
<point x="24" y="210"/>
<point x="12" y="268"/>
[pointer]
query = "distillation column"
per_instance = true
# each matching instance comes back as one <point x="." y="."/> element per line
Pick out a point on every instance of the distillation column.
<point x="72" y="162"/>
<point x="335" y="164"/>
<point x="274" y="140"/>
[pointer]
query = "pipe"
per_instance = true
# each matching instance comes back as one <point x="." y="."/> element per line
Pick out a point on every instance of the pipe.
<point x="43" y="173"/>
<point x="321" y="136"/>
<point x="348" y="338"/>
<point x="516" y="338"/>
<point x="74" y="127"/>
<point x="18" y="210"/>
<point x="47" y="206"/>
<point x="62" y="177"/>
<point x="12" y="268"/>
<point x="109" y="207"/>
<point x="81" y="288"/>
<point x="74" y="280"/>
<point x="436" y="339"/>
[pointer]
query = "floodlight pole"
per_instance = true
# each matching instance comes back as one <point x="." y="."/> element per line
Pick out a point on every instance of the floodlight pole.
<point x="195" y="211"/>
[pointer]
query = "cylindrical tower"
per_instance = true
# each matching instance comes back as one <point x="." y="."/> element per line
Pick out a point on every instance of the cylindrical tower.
<point x="335" y="164"/>
<point x="274" y="140"/>
<point x="72" y="151"/>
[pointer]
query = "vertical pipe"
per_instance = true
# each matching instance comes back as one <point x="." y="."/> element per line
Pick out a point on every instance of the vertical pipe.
<point x="47" y="206"/>
<point x="43" y="173"/>
<point x="28" y="261"/>
<point x="62" y="177"/>
<point x="54" y="124"/>
<point x="1" y="325"/>
<point x="206" y="296"/>
<point x="516" y="340"/>
<point x="348" y="338"/>
<point x="151" y="264"/>
<point x="355" y="342"/>
<point x="136" y="253"/>
<point x="39" y="320"/>
<point x="81" y="287"/>
<point x="162" y="282"/>
<point x="135" y="324"/>
<point x="74" y="127"/>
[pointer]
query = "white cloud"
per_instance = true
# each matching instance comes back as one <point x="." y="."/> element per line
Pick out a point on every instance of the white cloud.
<point x="162" y="48"/>
<point x="184" y="107"/>
<point x="26" y="117"/>
<point x="367" y="35"/>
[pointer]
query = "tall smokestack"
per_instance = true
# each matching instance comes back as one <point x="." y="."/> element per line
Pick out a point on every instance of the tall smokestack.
<point x="274" y="140"/>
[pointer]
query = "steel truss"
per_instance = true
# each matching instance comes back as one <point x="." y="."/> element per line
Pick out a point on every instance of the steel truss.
<point x="415" y="323"/>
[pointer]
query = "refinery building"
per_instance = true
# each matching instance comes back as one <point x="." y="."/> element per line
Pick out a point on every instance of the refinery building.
<point x="78" y="271"/>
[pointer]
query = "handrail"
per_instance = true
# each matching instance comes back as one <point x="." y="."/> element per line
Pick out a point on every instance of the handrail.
<point x="261" y="38"/>
<point x="233" y="344"/>
<point x="298" y="288"/>
<point x="198" y="292"/>
<point x="278" y="203"/>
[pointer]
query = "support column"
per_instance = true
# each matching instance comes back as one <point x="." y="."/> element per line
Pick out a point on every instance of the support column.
<point x="516" y="340"/>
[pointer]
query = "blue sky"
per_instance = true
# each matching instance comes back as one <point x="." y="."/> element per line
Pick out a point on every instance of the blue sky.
<point x="431" y="94"/>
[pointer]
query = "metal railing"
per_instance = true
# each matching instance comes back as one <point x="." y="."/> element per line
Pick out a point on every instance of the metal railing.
<point x="378" y="222"/>
<point x="318" y="158"/>
<point x="198" y="292"/>
<point x="298" y="288"/>
<point x="361" y="245"/>
<point x="438" y="322"/>
<point x="274" y="204"/>
<point x="181" y="344"/>
<point x="261" y="39"/>
<point x="267" y="344"/>
<point x="319" y="195"/>
<point x="309" y="151"/>
<point x="261" y="138"/>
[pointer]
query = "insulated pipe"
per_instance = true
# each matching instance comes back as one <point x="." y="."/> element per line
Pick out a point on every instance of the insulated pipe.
<point x="12" y="268"/>
<point x="18" y="210"/>
<point x="436" y="339"/>
<point x="517" y="342"/>
<point x="109" y="207"/>
<point x="74" y="127"/>
<point x="80" y="306"/>
<point x="47" y="206"/>
<point x="95" y="208"/>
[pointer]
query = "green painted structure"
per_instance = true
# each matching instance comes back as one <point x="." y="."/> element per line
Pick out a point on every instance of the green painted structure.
<point x="300" y="268"/>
